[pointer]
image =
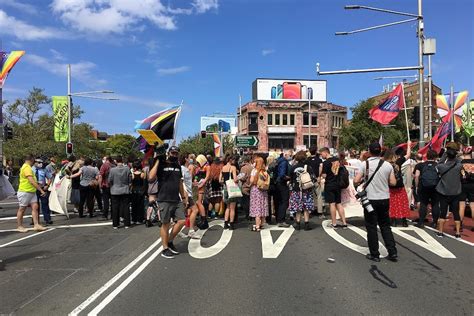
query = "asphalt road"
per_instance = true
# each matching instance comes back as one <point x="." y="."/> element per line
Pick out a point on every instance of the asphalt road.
<point x="96" y="270"/>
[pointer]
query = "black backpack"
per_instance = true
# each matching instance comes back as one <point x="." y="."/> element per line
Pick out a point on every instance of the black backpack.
<point x="343" y="178"/>
<point x="429" y="176"/>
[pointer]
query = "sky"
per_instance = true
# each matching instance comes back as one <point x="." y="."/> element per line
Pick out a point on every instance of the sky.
<point x="205" y="53"/>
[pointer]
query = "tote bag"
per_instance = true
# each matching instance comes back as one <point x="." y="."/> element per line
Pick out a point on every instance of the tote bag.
<point x="233" y="189"/>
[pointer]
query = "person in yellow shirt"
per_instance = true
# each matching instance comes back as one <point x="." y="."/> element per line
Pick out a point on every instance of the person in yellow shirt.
<point x="27" y="195"/>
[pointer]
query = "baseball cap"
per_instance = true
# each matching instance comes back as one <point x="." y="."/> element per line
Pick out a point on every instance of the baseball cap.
<point x="174" y="149"/>
<point x="375" y="148"/>
<point x="39" y="160"/>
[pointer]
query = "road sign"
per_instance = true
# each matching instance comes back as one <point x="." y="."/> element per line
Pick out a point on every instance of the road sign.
<point x="246" y="141"/>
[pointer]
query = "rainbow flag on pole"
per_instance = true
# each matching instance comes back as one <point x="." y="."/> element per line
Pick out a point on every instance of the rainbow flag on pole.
<point x="7" y="61"/>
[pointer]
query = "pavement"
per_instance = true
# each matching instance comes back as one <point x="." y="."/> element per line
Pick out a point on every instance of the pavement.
<point x="83" y="266"/>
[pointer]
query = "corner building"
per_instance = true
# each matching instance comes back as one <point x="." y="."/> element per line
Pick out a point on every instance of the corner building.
<point x="285" y="125"/>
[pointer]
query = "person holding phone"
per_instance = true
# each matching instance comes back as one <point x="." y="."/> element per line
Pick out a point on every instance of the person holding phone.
<point x="27" y="195"/>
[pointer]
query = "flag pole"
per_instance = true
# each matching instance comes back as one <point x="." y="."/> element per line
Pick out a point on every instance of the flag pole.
<point x="452" y="115"/>
<point x="176" y="122"/>
<point x="406" y="115"/>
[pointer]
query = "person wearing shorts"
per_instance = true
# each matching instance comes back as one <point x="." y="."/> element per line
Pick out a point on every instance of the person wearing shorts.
<point x="27" y="195"/>
<point x="171" y="198"/>
<point x="192" y="209"/>
<point x="332" y="191"/>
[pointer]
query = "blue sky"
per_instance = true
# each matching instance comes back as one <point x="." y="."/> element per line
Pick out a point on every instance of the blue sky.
<point x="154" y="54"/>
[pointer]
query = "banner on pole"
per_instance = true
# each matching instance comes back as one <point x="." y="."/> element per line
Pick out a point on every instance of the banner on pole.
<point x="61" y="118"/>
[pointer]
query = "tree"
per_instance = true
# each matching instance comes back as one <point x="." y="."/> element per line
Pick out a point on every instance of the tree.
<point x="362" y="130"/>
<point x="122" y="144"/>
<point x="198" y="145"/>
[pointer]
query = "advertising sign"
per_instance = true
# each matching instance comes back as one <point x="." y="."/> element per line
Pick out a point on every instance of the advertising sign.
<point x="288" y="89"/>
<point x="61" y="118"/>
<point x="214" y="124"/>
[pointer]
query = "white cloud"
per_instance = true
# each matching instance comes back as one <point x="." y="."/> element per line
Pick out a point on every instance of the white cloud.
<point x="82" y="71"/>
<point x="267" y="52"/>
<point x="17" y="5"/>
<point x="202" y="6"/>
<point x="173" y="71"/>
<point x="119" y="16"/>
<point x="24" y="31"/>
<point x="56" y="55"/>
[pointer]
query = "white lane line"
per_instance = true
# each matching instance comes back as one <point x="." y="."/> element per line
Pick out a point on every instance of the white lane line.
<point x="112" y="281"/>
<point x="26" y="237"/>
<point x="125" y="283"/>
<point x="26" y="216"/>
<point x="448" y="235"/>
<point x="64" y="226"/>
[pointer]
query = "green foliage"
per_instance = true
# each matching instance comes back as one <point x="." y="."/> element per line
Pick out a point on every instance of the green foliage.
<point x="121" y="144"/>
<point x="362" y="130"/>
<point x="197" y="145"/>
<point x="33" y="126"/>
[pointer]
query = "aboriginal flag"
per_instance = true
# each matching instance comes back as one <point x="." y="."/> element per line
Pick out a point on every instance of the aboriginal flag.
<point x="386" y="111"/>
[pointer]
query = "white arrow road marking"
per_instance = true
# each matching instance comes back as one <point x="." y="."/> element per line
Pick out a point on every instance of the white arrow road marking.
<point x="360" y="249"/>
<point x="197" y="251"/>
<point x="273" y="250"/>
<point x="429" y="243"/>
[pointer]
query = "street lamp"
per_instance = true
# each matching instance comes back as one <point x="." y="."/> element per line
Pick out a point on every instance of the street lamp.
<point x="413" y="17"/>
<point x="86" y="94"/>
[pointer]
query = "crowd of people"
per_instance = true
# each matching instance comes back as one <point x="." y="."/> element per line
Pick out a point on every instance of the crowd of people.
<point x="184" y="189"/>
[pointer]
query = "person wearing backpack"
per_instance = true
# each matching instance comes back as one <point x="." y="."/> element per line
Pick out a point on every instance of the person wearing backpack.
<point x="332" y="189"/>
<point x="449" y="189"/>
<point x="426" y="180"/>
<point x="260" y="183"/>
<point x="301" y="190"/>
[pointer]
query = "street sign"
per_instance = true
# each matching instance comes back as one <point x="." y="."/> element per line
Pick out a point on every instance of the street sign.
<point x="246" y="141"/>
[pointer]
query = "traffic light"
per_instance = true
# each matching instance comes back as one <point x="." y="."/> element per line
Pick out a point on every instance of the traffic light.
<point x="241" y="151"/>
<point x="69" y="148"/>
<point x="203" y="134"/>
<point x="7" y="132"/>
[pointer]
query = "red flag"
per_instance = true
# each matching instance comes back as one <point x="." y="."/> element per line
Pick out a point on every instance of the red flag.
<point x="405" y="145"/>
<point x="386" y="111"/>
<point x="436" y="143"/>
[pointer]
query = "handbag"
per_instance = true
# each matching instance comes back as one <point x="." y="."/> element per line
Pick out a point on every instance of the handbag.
<point x="233" y="189"/>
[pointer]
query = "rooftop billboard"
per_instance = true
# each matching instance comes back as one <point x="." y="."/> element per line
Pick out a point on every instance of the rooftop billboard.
<point x="289" y="90"/>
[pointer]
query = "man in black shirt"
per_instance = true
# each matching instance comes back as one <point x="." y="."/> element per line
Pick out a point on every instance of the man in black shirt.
<point x="427" y="191"/>
<point x="314" y="162"/>
<point x="171" y="198"/>
<point x="332" y="191"/>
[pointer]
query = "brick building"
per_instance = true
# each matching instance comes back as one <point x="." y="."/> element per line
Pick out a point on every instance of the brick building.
<point x="282" y="125"/>
<point x="412" y="100"/>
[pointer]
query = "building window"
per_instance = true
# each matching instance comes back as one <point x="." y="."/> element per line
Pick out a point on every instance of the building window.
<point x="314" y="140"/>
<point x="281" y="142"/>
<point x="277" y="119"/>
<point x="270" y="119"/>
<point x="285" y="119"/>
<point x="292" y="119"/>
<point x="314" y="119"/>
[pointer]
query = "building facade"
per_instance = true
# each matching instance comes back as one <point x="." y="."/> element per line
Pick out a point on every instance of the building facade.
<point x="283" y="125"/>
<point x="412" y="100"/>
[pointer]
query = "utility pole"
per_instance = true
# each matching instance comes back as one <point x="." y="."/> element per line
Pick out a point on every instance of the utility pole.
<point x="420" y="73"/>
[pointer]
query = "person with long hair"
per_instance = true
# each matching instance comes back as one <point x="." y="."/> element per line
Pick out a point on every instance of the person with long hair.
<point x="138" y="193"/>
<point x="301" y="200"/>
<point x="214" y="187"/>
<point x="258" y="195"/>
<point x="229" y="172"/>
<point x="399" y="204"/>
<point x="273" y="198"/>
<point x="200" y="174"/>
<point x="449" y="189"/>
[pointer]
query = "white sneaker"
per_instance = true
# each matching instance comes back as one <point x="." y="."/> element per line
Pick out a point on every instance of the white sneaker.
<point x="182" y="235"/>
<point x="193" y="235"/>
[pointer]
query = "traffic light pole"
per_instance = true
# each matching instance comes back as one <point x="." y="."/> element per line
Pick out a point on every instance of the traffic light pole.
<point x="69" y="122"/>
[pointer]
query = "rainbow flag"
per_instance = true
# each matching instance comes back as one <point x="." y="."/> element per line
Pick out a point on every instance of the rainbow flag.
<point x="7" y="61"/>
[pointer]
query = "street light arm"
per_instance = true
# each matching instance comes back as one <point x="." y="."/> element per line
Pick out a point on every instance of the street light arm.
<point x="90" y="92"/>
<point x="376" y="27"/>
<point x="341" y="72"/>
<point x="93" y="97"/>
<point x="352" y="7"/>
